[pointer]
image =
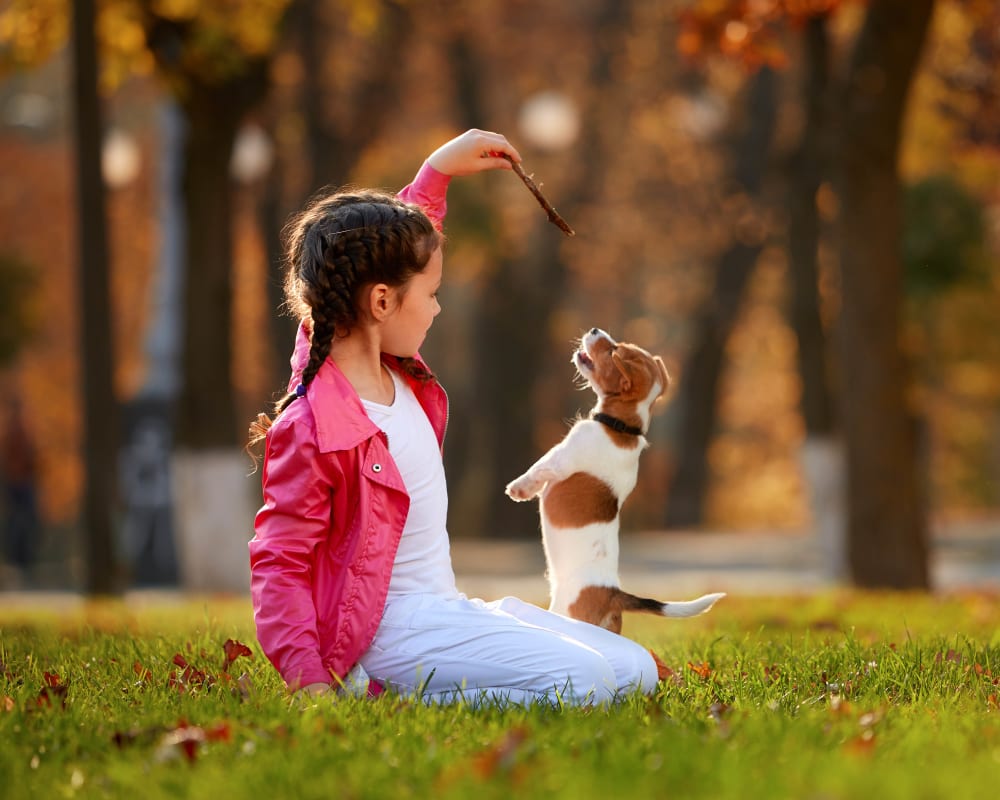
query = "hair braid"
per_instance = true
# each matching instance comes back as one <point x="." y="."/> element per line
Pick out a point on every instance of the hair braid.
<point x="323" y="332"/>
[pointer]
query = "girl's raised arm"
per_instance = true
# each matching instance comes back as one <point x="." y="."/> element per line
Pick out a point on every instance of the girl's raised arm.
<point x="471" y="152"/>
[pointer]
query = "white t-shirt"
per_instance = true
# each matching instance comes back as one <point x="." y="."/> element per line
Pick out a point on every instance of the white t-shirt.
<point x="423" y="561"/>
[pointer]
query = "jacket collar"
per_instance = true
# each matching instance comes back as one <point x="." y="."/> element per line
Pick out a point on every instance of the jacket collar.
<point x="341" y="421"/>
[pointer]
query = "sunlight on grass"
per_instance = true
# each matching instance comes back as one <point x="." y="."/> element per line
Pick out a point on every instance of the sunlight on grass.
<point x="839" y="695"/>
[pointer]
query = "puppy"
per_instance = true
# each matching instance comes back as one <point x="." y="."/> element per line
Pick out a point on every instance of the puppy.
<point x="584" y="480"/>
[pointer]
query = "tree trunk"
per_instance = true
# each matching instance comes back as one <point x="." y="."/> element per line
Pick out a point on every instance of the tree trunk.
<point x="96" y="365"/>
<point x="207" y="462"/>
<point x="697" y="397"/>
<point x="206" y="407"/>
<point x="214" y="107"/>
<point x="887" y="527"/>
<point x="810" y="165"/>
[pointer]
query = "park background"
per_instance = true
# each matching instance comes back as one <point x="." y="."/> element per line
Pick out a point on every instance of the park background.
<point x="796" y="204"/>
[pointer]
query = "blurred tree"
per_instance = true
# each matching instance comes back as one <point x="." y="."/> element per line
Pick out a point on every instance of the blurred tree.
<point x="749" y="149"/>
<point x="215" y="61"/>
<point x="100" y="441"/>
<point x="752" y="34"/>
<point x="29" y="34"/>
<point x="887" y="514"/>
<point x="808" y="169"/>
<point x="887" y="527"/>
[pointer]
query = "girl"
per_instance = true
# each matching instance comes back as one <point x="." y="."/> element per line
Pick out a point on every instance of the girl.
<point x="351" y="574"/>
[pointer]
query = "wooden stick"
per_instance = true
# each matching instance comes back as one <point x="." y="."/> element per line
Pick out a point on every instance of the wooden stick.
<point x="554" y="217"/>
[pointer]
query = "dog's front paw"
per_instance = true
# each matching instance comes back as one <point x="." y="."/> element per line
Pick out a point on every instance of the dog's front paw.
<point x="524" y="488"/>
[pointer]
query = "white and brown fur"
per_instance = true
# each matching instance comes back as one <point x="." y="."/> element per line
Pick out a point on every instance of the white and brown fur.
<point x="584" y="480"/>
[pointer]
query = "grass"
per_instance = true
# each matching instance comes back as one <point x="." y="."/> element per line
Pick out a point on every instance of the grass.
<point x="845" y="695"/>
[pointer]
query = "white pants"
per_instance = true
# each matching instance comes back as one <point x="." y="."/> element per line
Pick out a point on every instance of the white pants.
<point x="444" y="649"/>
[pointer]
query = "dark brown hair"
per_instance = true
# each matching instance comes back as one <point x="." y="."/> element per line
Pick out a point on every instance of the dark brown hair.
<point x="337" y="246"/>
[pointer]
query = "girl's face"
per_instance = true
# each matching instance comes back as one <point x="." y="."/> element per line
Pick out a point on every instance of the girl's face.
<point x="405" y="328"/>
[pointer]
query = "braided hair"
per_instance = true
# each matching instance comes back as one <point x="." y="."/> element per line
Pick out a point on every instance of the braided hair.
<point x="338" y="246"/>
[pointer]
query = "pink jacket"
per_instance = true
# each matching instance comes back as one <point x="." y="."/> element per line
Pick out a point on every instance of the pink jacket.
<point x="333" y="514"/>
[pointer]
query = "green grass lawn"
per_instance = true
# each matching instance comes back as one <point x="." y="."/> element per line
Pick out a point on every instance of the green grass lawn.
<point x="845" y="695"/>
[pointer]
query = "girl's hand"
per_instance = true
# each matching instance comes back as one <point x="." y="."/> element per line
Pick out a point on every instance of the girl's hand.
<point x="315" y="689"/>
<point x="473" y="151"/>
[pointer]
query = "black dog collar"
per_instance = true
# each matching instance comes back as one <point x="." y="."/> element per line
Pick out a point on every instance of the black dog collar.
<point x="616" y="424"/>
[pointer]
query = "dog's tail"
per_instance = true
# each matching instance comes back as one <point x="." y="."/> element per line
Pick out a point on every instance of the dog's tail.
<point x="689" y="608"/>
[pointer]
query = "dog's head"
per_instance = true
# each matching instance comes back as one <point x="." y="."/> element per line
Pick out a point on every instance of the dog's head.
<point x="620" y="370"/>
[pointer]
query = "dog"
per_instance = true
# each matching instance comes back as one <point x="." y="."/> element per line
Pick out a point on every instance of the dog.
<point x="583" y="481"/>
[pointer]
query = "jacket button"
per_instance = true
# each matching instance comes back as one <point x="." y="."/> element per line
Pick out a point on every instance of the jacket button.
<point x="376" y="467"/>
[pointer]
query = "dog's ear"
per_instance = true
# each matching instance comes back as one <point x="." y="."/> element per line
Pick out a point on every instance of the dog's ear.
<point x="624" y="369"/>
<point x="664" y="375"/>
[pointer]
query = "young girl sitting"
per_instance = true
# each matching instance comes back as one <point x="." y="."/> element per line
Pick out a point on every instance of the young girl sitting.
<point x="351" y="573"/>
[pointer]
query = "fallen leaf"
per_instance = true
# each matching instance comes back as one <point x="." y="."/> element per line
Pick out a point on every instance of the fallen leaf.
<point x="195" y="677"/>
<point x="8" y="703"/>
<point x="703" y="670"/>
<point x="234" y="650"/>
<point x="54" y="689"/>
<point x="663" y="672"/>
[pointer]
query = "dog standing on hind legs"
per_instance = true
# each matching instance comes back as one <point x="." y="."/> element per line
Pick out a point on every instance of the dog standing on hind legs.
<point x="583" y="481"/>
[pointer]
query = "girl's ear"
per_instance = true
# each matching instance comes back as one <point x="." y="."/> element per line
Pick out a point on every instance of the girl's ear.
<point x="380" y="301"/>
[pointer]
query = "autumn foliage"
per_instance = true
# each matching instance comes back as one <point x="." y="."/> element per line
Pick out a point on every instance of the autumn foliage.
<point x="750" y="31"/>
